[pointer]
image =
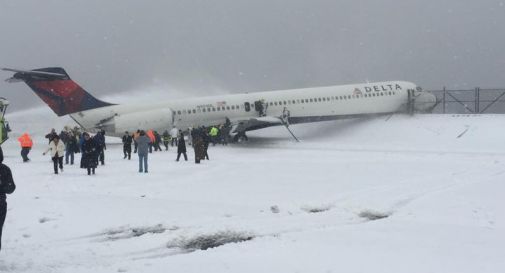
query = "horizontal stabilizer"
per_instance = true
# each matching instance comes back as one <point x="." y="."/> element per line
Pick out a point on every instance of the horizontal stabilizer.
<point x="54" y="86"/>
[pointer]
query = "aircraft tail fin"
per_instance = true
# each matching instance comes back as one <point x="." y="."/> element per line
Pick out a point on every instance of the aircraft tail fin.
<point x="57" y="90"/>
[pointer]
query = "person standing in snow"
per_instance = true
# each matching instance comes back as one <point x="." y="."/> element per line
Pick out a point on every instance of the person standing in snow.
<point x="206" y="141"/>
<point x="89" y="151"/>
<point x="150" y="135"/>
<point x="134" y="137"/>
<point x="196" y="136"/>
<point x="166" y="139"/>
<point x="173" y="133"/>
<point x="127" y="145"/>
<point x="181" y="147"/>
<point x="7" y="186"/>
<point x="100" y="141"/>
<point x="143" y="143"/>
<point x="157" y="141"/>
<point x="57" y="149"/>
<point x="26" y="145"/>
<point x="70" y="147"/>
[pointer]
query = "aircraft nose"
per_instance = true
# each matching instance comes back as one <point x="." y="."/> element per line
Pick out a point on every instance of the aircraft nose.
<point x="424" y="101"/>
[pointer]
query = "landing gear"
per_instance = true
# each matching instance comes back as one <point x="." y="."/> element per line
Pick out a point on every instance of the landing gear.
<point x="240" y="137"/>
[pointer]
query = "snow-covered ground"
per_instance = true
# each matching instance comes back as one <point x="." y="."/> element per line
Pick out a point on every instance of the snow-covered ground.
<point x="398" y="194"/>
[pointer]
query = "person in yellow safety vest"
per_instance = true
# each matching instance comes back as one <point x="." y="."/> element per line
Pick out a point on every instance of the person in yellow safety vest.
<point x="213" y="134"/>
<point x="26" y="145"/>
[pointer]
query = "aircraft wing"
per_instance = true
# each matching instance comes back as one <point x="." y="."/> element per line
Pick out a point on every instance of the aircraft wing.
<point x="254" y="123"/>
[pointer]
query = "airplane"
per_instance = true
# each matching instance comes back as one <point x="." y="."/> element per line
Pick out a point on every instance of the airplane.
<point x="241" y="112"/>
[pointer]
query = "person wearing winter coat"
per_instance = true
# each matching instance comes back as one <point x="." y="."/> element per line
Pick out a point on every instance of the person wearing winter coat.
<point x="71" y="147"/>
<point x="7" y="186"/>
<point x="198" y="145"/>
<point x="26" y="145"/>
<point x="135" y="136"/>
<point x="143" y="142"/>
<point x="157" y="141"/>
<point x="51" y="135"/>
<point x="173" y="133"/>
<point x="100" y="141"/>
<point x="181" y="147"/>
<point x="57" y="149"/>
<point x="206" y="140"/>
<point x="150" y="135"/>
<point x="89" y="151"/>
<point x="166" y="139"/>
<point x="127" y="145"/>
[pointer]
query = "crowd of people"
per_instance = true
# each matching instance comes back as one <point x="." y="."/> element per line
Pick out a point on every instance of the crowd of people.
<point x="62" y="147"/>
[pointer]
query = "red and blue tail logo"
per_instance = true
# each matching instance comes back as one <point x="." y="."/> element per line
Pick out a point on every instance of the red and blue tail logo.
<point x="56" y="89"/>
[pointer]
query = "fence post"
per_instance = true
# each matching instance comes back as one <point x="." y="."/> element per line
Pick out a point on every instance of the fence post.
<point x="476" y="98"/>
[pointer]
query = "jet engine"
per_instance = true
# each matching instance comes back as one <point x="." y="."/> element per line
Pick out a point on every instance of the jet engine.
<point x="159" y="119"/>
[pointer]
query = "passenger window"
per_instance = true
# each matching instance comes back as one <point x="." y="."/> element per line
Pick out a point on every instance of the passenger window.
<point x="179" y="112"/>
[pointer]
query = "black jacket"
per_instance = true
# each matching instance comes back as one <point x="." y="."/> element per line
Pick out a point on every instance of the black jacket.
<point x="90" y="152"/>
<point x="181" y="145"/>
<point x="127" y="140"/>
<point x="6" y="182"/>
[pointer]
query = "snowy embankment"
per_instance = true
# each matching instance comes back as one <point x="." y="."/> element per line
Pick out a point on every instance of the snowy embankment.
<point x="398" y="194"/>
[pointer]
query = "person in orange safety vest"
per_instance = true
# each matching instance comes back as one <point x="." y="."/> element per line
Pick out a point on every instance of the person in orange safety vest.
<point x="26" y="145"/>
<point x="150" y="134"/>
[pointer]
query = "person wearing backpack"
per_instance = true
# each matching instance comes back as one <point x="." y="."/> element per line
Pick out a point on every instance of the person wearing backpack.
<point x="7" y="186"/>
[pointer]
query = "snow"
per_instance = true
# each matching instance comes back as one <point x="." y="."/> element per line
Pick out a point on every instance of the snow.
<point x="389" y="194"/>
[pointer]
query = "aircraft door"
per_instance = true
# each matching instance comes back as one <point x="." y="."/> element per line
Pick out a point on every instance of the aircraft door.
<point x="260" y="107"/>
<point x="247" y="106"/>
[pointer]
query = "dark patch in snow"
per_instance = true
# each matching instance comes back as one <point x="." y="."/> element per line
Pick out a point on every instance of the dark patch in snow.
<point x="204" y="242"/>
<point x="274" y="209"/>
<point x="373" y="215"/>
<point x="312" y="209"/>
<point x="127" y="232"/>
<point x="45" y="219"/>
<point x="464" y="132"/>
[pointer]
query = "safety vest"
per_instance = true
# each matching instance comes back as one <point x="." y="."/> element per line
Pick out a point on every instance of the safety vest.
<point x="150" y="134"/>
<point x="25" y="141"/>
<point x="213" y="132"/>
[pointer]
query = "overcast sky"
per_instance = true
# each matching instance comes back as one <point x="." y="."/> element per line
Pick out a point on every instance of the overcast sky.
<point x="206" y="47"/>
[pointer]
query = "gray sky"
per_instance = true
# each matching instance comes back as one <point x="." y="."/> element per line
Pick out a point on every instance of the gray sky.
<point x="201" y="47"/>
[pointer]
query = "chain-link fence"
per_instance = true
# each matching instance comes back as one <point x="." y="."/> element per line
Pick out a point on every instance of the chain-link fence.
<point x="474" y="101"/>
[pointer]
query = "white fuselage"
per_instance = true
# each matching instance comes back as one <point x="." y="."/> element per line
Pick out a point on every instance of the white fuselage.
<point x="304" y="105"/>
